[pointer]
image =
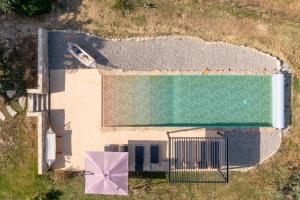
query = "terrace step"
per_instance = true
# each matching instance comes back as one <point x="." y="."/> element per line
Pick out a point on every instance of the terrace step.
<point x="37" y="102"/>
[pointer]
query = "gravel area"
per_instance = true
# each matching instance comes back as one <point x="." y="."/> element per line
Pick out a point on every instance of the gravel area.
<point x="251" y="146"/>
<point x="164" y="53"/>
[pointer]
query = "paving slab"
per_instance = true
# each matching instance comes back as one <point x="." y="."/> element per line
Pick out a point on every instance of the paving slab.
<point x="2" y="116"/>
<point x="11" y="111"/>
<point x="22" y="102"/>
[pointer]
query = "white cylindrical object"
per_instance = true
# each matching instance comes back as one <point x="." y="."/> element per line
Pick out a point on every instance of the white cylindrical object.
<point x="278" y="101"/>
<point x="50" y="147"/>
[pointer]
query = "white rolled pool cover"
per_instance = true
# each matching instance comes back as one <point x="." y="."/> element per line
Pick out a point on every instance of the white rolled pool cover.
<point x="278" y="101"/>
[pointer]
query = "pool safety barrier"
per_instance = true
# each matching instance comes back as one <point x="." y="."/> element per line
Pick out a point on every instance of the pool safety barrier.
<point x="278" y="101"/>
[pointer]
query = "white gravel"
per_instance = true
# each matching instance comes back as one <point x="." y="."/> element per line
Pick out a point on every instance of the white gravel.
<point x="164" y="53"/>
<point x="269" y="144"/>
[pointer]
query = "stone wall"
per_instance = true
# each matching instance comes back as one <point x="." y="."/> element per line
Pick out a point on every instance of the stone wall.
<point x="43" y="59"/>
<point x="42" y="67"/>
<point x="42" y="88"/>
<point x="43" y="125"/>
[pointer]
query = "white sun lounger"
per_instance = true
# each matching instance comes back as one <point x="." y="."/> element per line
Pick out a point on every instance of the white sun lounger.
<point x="81" y="55"/>
<point x="50" y="147"/>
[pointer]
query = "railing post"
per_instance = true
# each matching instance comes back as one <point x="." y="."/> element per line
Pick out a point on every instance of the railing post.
<point x="227" y="162"/>
<point x="169" y="172"/>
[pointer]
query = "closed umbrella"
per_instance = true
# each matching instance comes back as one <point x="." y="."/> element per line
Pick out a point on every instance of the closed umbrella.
<point x="50" y="147"/>
<point x="106" y="173"/>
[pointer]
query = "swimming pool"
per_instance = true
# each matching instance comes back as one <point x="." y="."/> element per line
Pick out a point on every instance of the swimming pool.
<point x="187" y="100"/>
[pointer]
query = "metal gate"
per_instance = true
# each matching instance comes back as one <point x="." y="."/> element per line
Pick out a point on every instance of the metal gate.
<point x="197" y="159"/>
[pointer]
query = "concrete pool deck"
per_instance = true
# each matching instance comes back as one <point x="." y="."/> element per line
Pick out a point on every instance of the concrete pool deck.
<point x="75" y="103"/>
<point x="75" y="116"/>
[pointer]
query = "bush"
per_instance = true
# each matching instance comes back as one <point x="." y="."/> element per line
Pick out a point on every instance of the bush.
<point x="26" y="7"/>
<point x="6" y="6"/>
<point x="292" y="189"/>
<point x="123" y="5"/>
<point x="17" y="74"/>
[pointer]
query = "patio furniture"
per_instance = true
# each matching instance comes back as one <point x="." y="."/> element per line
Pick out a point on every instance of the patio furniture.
<point x="106" y="173"/>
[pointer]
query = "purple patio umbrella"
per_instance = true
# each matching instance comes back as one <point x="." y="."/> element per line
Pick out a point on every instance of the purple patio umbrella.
<point x="106" y="173"/>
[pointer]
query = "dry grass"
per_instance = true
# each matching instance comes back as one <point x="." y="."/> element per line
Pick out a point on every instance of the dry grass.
<point x="271" y="26"/>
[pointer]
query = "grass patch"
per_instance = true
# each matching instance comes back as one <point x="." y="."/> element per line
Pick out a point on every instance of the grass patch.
<point x="139" y="20"/>
<point x="18" y="160"/>
<point x="16" y="106"/>
<point x="241" y="12"/>
<point x="123" y="5"/>
<point x="296" y="84"/>
<point x="292" y="188"/>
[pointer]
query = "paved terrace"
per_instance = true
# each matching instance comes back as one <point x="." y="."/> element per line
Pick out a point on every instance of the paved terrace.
<point x="76" y="92"/>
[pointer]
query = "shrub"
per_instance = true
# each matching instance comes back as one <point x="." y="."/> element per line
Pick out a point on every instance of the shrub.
<point x="139" y="20"/>
<point x="292" y="188"/>
<point x="25" y="7"/>
<point x="123" y="5"/>
<point x="6" y="6"/>
<point x="149" y="5"/>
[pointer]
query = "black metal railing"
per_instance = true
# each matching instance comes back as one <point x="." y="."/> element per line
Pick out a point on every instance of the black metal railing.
<point x="195" y="159"/>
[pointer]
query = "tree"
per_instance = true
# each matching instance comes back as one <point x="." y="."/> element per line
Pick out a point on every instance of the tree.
<point x="6" y="6"/>
<point x="26" y="7"/>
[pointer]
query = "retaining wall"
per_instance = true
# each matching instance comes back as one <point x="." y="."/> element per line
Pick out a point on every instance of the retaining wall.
<point x="42" y="88"/>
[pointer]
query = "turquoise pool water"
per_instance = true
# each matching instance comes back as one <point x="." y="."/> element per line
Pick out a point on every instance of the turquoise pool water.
<point x="187" y="100"/>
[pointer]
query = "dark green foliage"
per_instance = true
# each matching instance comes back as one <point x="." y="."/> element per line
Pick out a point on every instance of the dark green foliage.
<point x="6" y="6"/>
<point x="150" y="5"/>
<point x="52" y="194"/>
<point x="130" y="5"/>
<point x="123" y="5"/>
<point x="25" y="7"/>
<point x="17" y="74"/>
<point x="292" y="188"/>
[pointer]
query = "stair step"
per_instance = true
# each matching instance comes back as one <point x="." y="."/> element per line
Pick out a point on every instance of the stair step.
<point x="37" y="102"/>
<point x="34" y="103"/>
<point x="40" y="101"/>
<point x="45" y="102"/>
<point x="29" y="103"/>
